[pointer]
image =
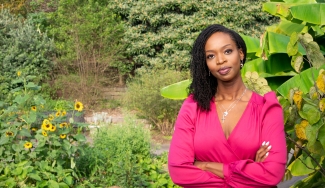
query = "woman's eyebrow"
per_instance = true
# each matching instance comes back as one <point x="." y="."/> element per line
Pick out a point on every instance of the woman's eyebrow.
<point x="221" y="48"/>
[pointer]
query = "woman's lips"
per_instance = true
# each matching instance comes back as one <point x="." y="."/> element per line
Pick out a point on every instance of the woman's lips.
<point x="224" y="71"/>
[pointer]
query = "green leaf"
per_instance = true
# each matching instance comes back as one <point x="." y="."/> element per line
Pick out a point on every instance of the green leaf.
<point x="297" y="62"/>
<point x="22" y="163"/>
<point x="73" y="164"/>
<point x="10" y="182"/>
<point x="297" y="168"/>
<point x="303" y="81"/>
<point x="4" y="140"/>
<point x="21" y="99"/>
<point x="321" y="136"/>
<point x="80" y="137"/>
<point x="35" y="176"/>
<point x="68" y="180"/>
<point x="310" y="113"/>
<point x="63" y="185"/>
<point x="278" y="44"/>
<point x="176" y="91"/>
<point x="292" y="47"/>
<point x="17" y="171"/>
<point x="311" y="13"/>
<point x="53" y="184"/>
<point x="24" y="132"/>
<point x="288" y="27"/>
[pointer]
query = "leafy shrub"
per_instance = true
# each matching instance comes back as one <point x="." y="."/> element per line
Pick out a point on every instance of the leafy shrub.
<point x="120" y="156"/>
<point x="160" y="33"/>
<point x="87" y="36"/>
<point x="37" y="149"/>
<point x="143" y="95"/>
<point x="22" y="48"/>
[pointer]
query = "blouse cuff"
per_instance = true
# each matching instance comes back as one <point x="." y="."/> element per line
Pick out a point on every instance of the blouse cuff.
<point x="226" y="171"/>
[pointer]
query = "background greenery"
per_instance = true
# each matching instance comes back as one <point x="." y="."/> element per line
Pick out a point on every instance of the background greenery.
<point x="76" y="48"/>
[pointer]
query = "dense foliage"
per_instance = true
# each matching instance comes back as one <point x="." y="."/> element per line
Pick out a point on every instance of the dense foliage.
<point x="22" y="48"/>
<point x="143" y="95"/>
<point x="160" y="33"/>
<point x="87" y="37"/>
<point x="120" y="156"/>
<point x="38" y="149"/>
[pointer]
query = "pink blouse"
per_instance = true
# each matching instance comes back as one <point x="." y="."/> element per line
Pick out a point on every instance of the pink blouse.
<point x="199" y="135"/>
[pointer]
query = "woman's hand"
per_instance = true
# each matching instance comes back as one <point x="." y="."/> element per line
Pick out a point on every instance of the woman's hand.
<point x="201" y="165"/>
<point x="263" y="152"/>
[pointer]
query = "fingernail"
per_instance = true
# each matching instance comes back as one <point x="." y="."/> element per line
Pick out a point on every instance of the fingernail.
<point x="267" y="154"/>
<point x="267" y="143"/>
<point x="269" y="147"/>
<point x="263" y="144"/>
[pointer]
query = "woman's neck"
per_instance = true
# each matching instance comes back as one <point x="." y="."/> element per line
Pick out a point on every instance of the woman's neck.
<point x="230" y="91"/>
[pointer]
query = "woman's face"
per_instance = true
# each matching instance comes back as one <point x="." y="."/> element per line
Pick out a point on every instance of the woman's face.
<point x="223" y="57"/>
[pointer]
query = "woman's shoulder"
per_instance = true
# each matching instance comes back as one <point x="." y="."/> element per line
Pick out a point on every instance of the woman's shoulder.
<point x="267" y="99"/>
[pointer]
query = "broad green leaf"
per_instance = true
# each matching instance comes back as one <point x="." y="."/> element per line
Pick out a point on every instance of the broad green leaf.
<point x="21" y="99"/>
<point x="4" y="140"/>
<point x="19" y="80"/>
<point x="80" y="137"/>
<point x="252" y="44"/>
<point x="24" y="132"/>
<point x="63" y="185"/>
<point x="292" y="47"/>
<point x="68" y="180"/>
<point x="311" y="13"/>
<point x="303" y="81"/>
<point x="176" y="91"/>
<point x="321" y="136"/>
<point x="297" y="168"/>
<point x="33" y="86"/>
<point x="278" y="43"/>
<point x="22" y="163"/>
<point x="53" y="184"/>
<point x="35" y="176"/>
<point x="17" y="171"/>
<point x="310" y="113"/>
<point x="10" y="182"/>
<point x="286" y="27"/>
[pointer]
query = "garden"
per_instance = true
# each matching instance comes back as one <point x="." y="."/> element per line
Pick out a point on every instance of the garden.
<point x="57" y="57"/>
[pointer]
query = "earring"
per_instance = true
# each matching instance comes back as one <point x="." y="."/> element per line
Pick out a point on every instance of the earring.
<point x="241" y="64"/>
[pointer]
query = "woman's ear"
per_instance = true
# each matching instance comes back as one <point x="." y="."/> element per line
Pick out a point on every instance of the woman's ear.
<point x="241" y="54"/>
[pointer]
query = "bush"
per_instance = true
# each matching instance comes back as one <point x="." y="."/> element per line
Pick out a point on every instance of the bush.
<point x="37" y="149"/>
<point x="120" y="156"/>
<point x="87" y="36"/>
<point x="22" y="48"/>
<point x="143" y="95"/>
<point x="160" y="33"/>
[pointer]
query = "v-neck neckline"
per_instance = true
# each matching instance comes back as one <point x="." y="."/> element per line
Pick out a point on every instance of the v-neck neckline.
<point x="238" y="122"/>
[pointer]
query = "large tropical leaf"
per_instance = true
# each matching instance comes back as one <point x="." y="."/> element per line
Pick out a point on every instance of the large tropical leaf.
<point x="252" y="45"/>
<point x="311" y="13"/>
<point x="176" y="91"/>
<point x="303" y="81"/>
<point x="278" y="43"/>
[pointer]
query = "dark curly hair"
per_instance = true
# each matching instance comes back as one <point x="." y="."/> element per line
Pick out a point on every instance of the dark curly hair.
<point x="203" y="86"/>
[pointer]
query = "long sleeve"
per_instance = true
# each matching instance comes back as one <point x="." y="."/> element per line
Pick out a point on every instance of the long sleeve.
<point x="181" y="152"/>
<point x="248" y="173"/>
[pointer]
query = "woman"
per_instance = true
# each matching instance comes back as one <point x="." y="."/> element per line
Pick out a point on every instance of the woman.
<point x="226" y="135"/>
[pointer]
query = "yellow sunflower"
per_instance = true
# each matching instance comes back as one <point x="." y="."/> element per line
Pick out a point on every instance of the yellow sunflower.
<point x="63" y="125"/>
<point x="18" y="73"/>
<point x="58" y="113"/>
<point x="9" y="133"/>
<point x="33" y="108"/>
<point x="46" y="121"/>
<point x="53" y="128"/>
<point x="44" y="133"/>
<point x="78" y="106"/>
<point x="63" y="113"/>
<point x="34" y="129"/>
<point x="28" y="145"/>
<point x="47" y="127"/>
<point x="63" y="136"/>
<point x="51" y="117"/>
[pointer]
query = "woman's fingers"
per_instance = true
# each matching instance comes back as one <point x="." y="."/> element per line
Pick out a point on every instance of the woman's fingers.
<point x="263" y="152"/>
